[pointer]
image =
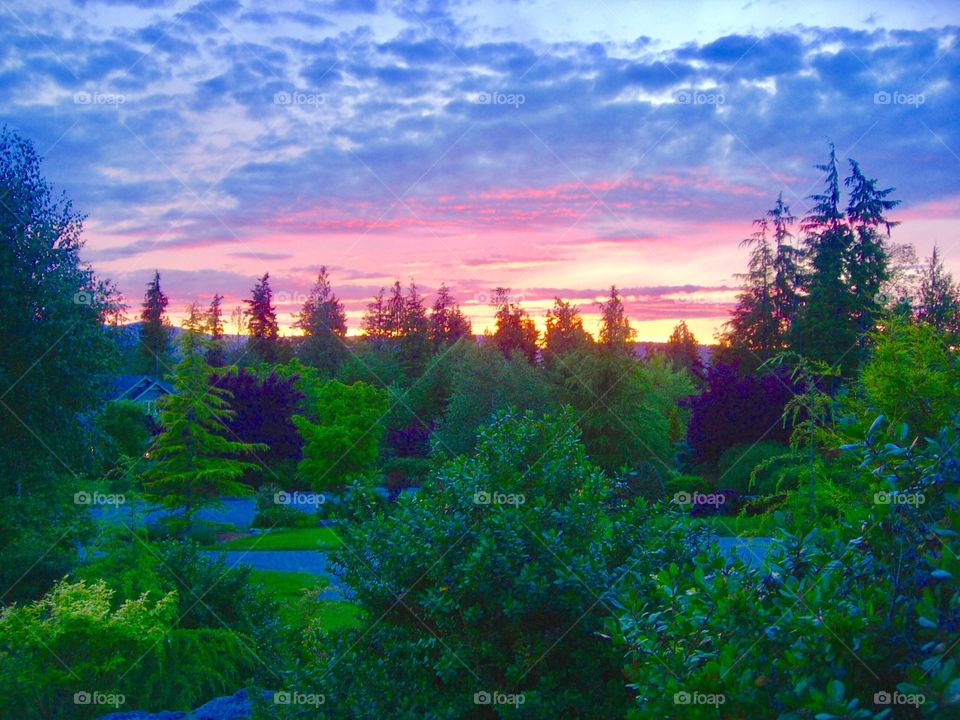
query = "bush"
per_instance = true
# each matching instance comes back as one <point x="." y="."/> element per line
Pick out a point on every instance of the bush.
<point x="474" y="586"/>
<point x="840" y="615"/>
<point x="271" y="514"/>
<point x="736" y="467"/>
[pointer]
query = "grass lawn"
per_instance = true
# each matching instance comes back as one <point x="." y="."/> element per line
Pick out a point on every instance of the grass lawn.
<point x="296" y="608"/>
<point x="286" y="539"/>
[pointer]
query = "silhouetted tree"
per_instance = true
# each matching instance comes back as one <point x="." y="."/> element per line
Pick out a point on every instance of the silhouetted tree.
<point x="217" y="351"/>
<point x="324" y="325"/>
<point x="375" y="323"/>
<point x="414" y="346"/>
<point x="262" y="321"/>
<point x="683" y="350"/>
<point x="565" y="329"/>
<point x="515" y="330"/>
<point x="154" y="327"/>
<point x="615" y="331"/>
<point x="939" y="300"/>
<point x="447" y="322"/>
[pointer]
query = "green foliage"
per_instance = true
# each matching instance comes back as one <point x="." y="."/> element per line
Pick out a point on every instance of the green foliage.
<point x="841" y="614"/>
<point x="342" y="432"/>
<point x="627" y="409"/>
<point x="55" y="351"/>
<point x="154" y="329"/>
<point x="123" y="426"/>
<point x="193" y="461"/>
<point x="483" y="383"/>
<point x="73" y="640"/>
<point x="912" y="377"/>
<point x="271" y="513"/>
<point x="737" y="466"/>
<point x="474" y="595"/>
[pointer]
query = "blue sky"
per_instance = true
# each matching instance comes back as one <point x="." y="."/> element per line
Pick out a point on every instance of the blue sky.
<point x="556" y="148"/>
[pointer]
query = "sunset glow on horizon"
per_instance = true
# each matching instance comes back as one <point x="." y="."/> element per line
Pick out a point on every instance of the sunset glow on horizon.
<point x="533" y="146"/>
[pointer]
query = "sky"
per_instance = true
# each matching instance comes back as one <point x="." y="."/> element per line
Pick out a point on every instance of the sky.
<point x="555" y="148"/>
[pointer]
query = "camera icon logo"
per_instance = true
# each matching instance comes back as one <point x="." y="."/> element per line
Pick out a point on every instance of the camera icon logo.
<point x="82" y="698"/>
<point x="683" y="498"/>
<point x="282" y="697"/>
<point x="282" y="98"/>
<point x="84" y="297"/>
<point x="882" y="698"/>
<point x="482" y="497"/>
<point x="82" y="498"/>
<point x="281" y="498"/>
<point x="482" y="698"/>
<point x="681" y="698"/>
<point x="881" y="498"/>
<point x="881" y="98"/>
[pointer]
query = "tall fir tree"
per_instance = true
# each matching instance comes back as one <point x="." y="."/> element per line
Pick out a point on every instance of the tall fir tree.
<point x="261" y="316"/>
<point x="414" y="341"/>
<point x="615" y="334"/>
<point x="217" y="350"/>
<point x="374" y="323"/>
<point x="753" y="328"/>
<point x="868" y="260"/>
<point x="447" y="321"/>
<point x="938" y="303"/>
<point x="323" y="322"/>
<point x="515" y="329"/>
<point x="154" y="327"/>
<point x="683" y="350"/>
<point x="786" y="268"/>
<point x="193" y="462"/>
<point x="564" y="331"/>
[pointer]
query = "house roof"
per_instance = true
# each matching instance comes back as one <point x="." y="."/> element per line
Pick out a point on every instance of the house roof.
<point x="132" y="387"/>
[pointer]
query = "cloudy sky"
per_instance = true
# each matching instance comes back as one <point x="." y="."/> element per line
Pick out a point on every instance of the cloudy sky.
<point x="552" y="147"/>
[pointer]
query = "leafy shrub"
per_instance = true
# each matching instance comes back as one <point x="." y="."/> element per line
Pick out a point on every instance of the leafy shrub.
<point x="736" y="409"/>
<point x="271" y="514"/>
<point x="736" y="467"/>
<point x="840" y="615"/>
<point x="404" y="472"/>
<point x="474" y="588"/>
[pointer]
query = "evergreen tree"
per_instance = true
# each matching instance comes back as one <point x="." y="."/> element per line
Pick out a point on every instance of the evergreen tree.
<point x="396" y="311"/>
<point x="868" y="261"/>
<point x="825" y="329"/>
<point x="54" y="351"/>
<point x="683" y="350"/>
<point x="754" y="326"/>
<point x="786" y="268"/>
<point x="565" y="329"/>
<point x="447" y="322"/>
<point x="324" y="325"/>
<point x="155" y="327"/>
<point x="615" y="331"/>
<point x="217" y="351"/>
<point x="374" y="323"/>
<point x="193" y="461"/>
<point x="939" y="301"/>
<point x="262" y="321"/>
<point x="515" y="330"/>
<point x="414" y="345"/>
